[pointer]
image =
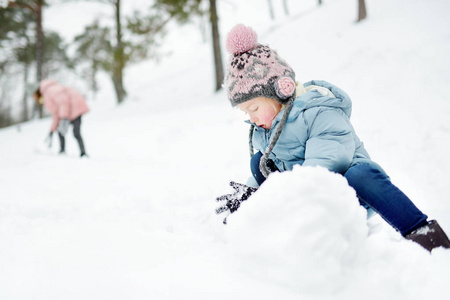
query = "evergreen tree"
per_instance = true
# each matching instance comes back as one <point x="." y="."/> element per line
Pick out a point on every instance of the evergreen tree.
<point x="130" y="43"/>
<point x="35" y="8"/>
<point x="184" y="10"/>
<point x="17" y="53"/>
<point x="94" y="48"/>
<point x="18" y="44"/>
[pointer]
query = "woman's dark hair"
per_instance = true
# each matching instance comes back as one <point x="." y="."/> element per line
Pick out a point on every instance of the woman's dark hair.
<point x="38" y="93"/>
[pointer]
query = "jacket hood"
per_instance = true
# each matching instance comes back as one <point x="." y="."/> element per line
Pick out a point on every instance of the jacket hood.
<point x="314" y="98"/>
<point x="46" y="83"/>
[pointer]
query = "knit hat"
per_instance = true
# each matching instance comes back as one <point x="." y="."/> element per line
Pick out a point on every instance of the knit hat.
<point x="255" y="70"/>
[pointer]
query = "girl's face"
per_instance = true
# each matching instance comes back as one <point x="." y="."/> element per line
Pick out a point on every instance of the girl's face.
<point x="261" y="111"/>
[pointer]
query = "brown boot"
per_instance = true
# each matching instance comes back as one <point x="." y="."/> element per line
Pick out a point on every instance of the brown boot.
<point x="430" y="236"/>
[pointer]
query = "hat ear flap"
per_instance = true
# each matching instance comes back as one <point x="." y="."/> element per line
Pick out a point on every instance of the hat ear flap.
<point x="284" y="87"/>
<point x="262" y="163"/>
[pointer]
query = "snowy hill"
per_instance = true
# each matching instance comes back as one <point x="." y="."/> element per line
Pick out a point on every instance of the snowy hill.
<point x="136" y="220"/>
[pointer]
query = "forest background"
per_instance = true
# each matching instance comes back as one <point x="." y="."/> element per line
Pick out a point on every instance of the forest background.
<point x="115" y="34"/>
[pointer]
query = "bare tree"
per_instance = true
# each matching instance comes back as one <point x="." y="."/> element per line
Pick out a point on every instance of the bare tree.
<point x="119" y="61"/>
<point x="216" y="45"/>
<point x="25" y="113"/>
<point x="362" y="12"/>
<point x="285" y="6"/>
<point x="272" y="14"/>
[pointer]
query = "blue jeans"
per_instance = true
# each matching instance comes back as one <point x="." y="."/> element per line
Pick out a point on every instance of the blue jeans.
<point x="375" y="191"/>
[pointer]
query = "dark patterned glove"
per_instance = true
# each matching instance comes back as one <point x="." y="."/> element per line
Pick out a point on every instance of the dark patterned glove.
<point x="242" y="193"/>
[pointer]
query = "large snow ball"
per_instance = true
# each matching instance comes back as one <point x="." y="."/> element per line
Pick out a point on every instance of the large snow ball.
<point x="301" y="228"/>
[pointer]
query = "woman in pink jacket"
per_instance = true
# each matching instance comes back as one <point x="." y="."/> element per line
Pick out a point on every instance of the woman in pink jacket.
<point x="66" y="106"/>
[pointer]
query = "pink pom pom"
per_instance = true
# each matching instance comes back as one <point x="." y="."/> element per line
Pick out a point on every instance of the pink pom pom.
<point x="240" y="39"/>
<point x="284" y="87"/>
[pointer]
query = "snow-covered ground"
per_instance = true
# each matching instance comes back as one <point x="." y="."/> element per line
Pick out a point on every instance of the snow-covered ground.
<point x="136" y="220"/>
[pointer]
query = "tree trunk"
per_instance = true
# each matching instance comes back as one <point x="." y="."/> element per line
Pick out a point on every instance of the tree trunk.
<point x="285" y="6"/>
<point x="25" y="96"/>
<point x="93" y="79"/>
<point x="272" y="15"/>
<point x="320" y="2"/>
<point x="119" y="58"/>
<point x="39" y="50"/>
<point x="216" y="45"/>
<point x="362" y="13"/>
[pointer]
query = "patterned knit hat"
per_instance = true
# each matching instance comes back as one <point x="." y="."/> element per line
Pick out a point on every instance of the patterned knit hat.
<point x="255" y="70"/>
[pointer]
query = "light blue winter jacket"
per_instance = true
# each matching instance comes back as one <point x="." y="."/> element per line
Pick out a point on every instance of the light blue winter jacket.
<point x="317" y="132"/>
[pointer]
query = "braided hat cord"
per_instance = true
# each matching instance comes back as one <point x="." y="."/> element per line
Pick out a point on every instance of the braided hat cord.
<point x="262" y="164"/>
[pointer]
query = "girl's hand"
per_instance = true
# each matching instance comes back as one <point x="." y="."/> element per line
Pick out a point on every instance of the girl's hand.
<point x="242" y="193"/>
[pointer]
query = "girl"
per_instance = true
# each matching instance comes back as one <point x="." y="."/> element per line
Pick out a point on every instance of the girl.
<point x="310" y="125"/>
<point x="66" y="106"/>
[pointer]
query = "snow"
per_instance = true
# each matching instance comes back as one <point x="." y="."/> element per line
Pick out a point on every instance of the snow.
<point x="136" y="220"/>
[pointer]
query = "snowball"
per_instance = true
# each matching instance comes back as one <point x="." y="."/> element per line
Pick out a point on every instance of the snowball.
<point x="307" y="219"/>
